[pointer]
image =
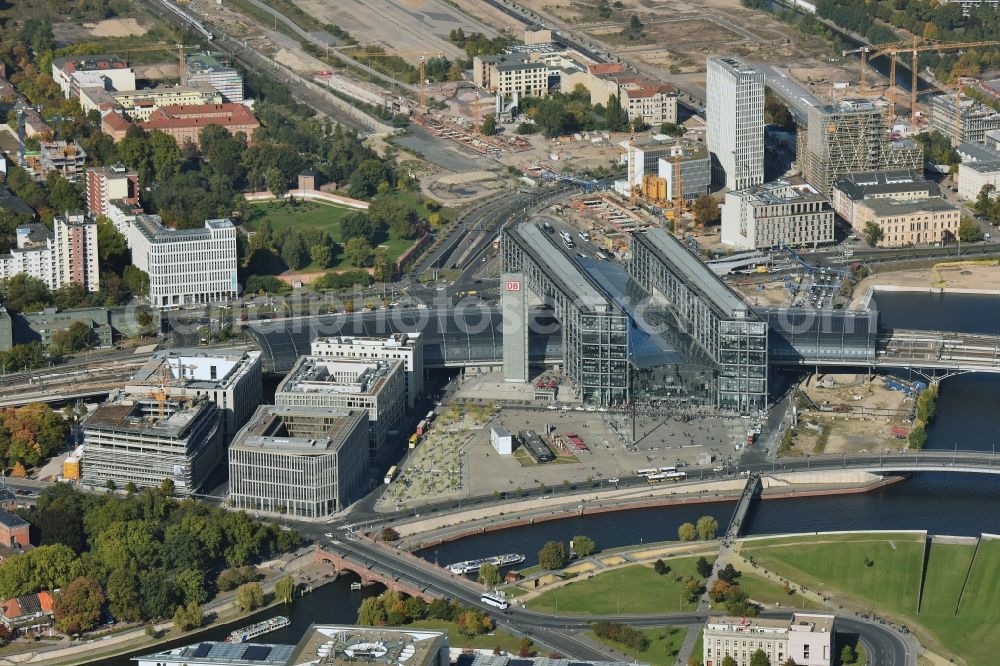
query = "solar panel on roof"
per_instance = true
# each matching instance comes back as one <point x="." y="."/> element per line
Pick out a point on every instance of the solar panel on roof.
<point x="202" y="650"/>
<point x="257" y="652"/>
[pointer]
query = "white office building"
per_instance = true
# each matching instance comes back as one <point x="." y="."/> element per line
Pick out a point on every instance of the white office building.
<point x="405" y="347"/>
<point x="375" y="385"/>
<point x="185" y="266"/>
<point x="806" y="639"/>
<point x="784" y="212"/>
<point x="973" y="176"/>
<point x="735" y="116"/>
<point x="231" y="379"/>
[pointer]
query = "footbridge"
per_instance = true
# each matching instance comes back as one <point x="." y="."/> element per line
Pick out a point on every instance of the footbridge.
<point x="751" y="491"/>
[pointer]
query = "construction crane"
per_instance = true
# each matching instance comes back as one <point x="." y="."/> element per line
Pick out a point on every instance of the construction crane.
<point x="633" y="189"/>
<point x="679" y="193"/>
<point x="864" y="51"/>
<point x="421" y="68"/>
<point x="166" y="47"/>
<point x="915" y="48"/>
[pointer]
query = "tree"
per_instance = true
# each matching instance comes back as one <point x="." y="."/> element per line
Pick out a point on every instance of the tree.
<point x="969" y="231"/>
<point x="78" y="607"/>
<point x="489" y="575"/>
<point x="872" y="233"/>
<point x="389" y="534"/>
<point x="524" y="647"/>
<point x="917" y="438"/>
<point x="385" y="268"/>
<point x="249" y="597"/>
<point x="584" y="546"/>
<point x="188" y="617"/>
<point x="707" y="527"/>
<point x="728" y="661"/>
<point x="615" y="118"/>
<point x="137" y="280"/>
<point x="24" y="293"/>
<point x="789" y="662"/>
<point x="847" y="655"/>
<point x="660" y="567"/>
<point x="759" y="658"/>
<point x="729" y="573"/>
<point x="686" y="532"/>
<point x="358" y="224"/>
<point x="372" y="612"/>
<point x="553" y="555"/>
<point x="704" y="567"/>
<point x="76" y="337"/>
<point x="672" y="129"/>
<point x="284" y="590"/>
<point x="277" y="184"/>
<point x="357" y="251"/>
<point x="489" y="127"/>
<point x="321" y="254"/>
<point x="112" y="251"/>
<point x="706" y="210"/>
<point x="293" y="251"/>
<point x="123" y="595"/>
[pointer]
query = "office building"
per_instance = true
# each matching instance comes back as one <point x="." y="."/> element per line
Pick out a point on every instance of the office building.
<point x="851" y="137"/>
<point x="806" y="639"/>
<point x="977" y="118"/>
<point x="909" y="221"/>
<point x="231" y="380"/>
<point x="76" y="257"/>
<point x="333" y="645"/>
<point x="991" y="139"/>
<point x="215" y="653"/>
<point x="853" y="188"/>
<point x="713" y="315"/>
<point x="652" y="163"/>
<point x="185" y="266"/>
<point x="304" y="462"/>
<point x="145" y="441"/>
<point x="735" y="118"/>
<point x="139" y="105"/>
<point x="209" y="68"/>
<point x="784" y="212"/>
<point x="973" y="176"/>
<point x="406" y="347"/>
<point x="375" y="385"/>
<point x="92" y="71"/>
<point x="112" y="183"/>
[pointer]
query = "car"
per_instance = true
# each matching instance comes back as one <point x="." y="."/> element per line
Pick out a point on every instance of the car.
<point x="328" y="535"/>
<point x="614" y="480"/>
<point x="718" y="468"/>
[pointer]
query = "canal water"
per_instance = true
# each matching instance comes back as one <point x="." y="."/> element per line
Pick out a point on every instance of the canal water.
<point x="958" y="504"/>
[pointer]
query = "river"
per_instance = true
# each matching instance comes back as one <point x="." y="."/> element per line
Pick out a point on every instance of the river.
<point x="958" y="504"/>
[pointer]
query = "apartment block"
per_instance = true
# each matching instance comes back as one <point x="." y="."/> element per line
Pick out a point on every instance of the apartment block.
<point x="735" y="118"/>
<point x="511" y="74"/>
<point x="976" y="118"/>
<point x="92" y="71"/>
<point x="145" y="441"/>
<point x="122" y="214"/>
<point x="305" y="462"/>
<point x="405" y="347"/>
<point x="851" y="137"/>
<point x="211" y="69"/>
<point x="910" y="221"/>
<point x="853" y="188"/>
<point x="784" y="212"/>
<point x="107" y="184"/>
<point x="231" y="380"/>
<point x="973" y="176"/>
<point x="377" y="386"/>
<point x="806" y="639"/>
<point x="34" y="255"/>
<point x="76" y="255"/>
<point x="185" y="266"/>
<point x="655" y="103"/>
<point x="65" y="158"/>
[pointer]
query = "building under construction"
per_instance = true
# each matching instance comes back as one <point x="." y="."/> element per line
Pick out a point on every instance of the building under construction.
<point x="977" y="119"/>
<point x="851" y="136"/>
<point x="652" y="167"/>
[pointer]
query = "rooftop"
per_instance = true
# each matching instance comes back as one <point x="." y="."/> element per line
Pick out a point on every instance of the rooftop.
<point x="130" y="416"/>
<point x="326" y="645"/>
<point x="295" y="429"/>
<point x="695" y="273"/>
<point x="395" y="340"/>
<point x="860" y="185"/>
<point x="889" y="207"/>
<point x="9" y="200"/>
<point x="507" y="660"/>
<point x="558" y="267"/>
<point x="174" y="116"/>
<point x="736" y="65"/>
<point x="780" y="192"/>
<point x="194" y="369"/>
<point x="237" y="654"/>
<point x="8" y="519"/>
<point x="812" y="623"/>
<point x="151" y="226"/>
<point x="89" y="62"/>
<point x="318" y="374"/>
<point x="203" y="62"/>
<point x="983" y="167"/>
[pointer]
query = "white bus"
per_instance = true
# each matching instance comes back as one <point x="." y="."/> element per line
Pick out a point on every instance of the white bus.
<point x="668" y="470"/>
<point x="645" y="472"/>
<point x="495" y="600"/>
<point x="675" y="476"/>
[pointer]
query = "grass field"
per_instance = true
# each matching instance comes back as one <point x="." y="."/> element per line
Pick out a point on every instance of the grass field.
<point x="891" y="584"/>
<point x="635" y="589"/>
<point x="832" y="561"/>
<point x="767" y="592"/>
<point x="304" y="215"/>
<point x="499" y="639"/>
<point x="664" y="644"/>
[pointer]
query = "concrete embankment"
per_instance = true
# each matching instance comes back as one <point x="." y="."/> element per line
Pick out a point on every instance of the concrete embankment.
<point x="425" y="532"/>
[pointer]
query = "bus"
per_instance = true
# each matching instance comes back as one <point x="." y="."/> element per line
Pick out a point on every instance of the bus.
<point x="601" y="256"/>
<point x="414" y="438"/>
<point x="676" y="476"/>
<point x="656" y="478"/>
<point x="422" y="427"/>
<point x="668" y="470"/>
<point x="495" y="600"/>
<point x="645" y="472"/>
<point x="390" y="475"/>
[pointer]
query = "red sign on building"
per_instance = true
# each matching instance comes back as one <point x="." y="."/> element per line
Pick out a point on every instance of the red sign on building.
<point x="512" y="285"/>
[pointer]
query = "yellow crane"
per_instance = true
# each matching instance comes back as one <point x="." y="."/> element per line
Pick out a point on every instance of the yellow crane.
<point x="864" y="51"/>
<point x="166" y="47"/>
<point x="914" y="49"/>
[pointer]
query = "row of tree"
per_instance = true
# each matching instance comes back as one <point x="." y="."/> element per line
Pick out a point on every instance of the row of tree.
<point x="394" y="609"/>
<point x="148" y="552"/>
<point x="706" y="528"/>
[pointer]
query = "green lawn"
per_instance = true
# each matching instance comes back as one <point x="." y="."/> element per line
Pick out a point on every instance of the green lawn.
<point x="664" y="644"/>
<point x="635" y="589"/>
<point x="498" y="639"/>
<point x="891" y="584"/>
<point x="829" y="561"/>
<point x="304" y="215"/>
<point x="768" y="592"/>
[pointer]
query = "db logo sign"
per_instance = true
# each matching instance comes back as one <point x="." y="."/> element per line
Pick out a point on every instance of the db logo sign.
<point x="512" y="285"/>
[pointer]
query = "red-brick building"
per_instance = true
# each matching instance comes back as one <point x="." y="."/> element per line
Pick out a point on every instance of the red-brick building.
<point x="184" y="122"/>
<point x="107" y="184"/>
<point x="14" y="530"/>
